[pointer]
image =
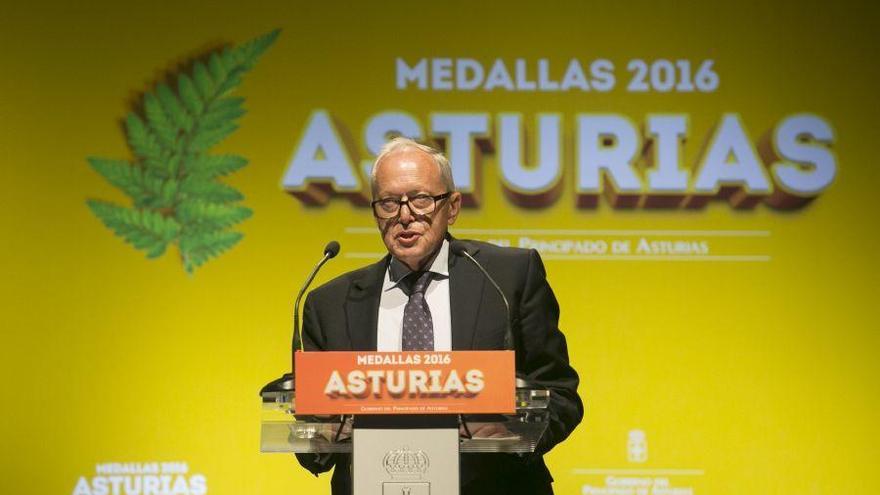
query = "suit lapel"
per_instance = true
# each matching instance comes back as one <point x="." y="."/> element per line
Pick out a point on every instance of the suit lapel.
<point x="465" y="297"/>
<point x="362" y="307"/>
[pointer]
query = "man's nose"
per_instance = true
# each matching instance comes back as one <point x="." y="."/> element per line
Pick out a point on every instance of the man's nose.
<point x="406" y="215"/>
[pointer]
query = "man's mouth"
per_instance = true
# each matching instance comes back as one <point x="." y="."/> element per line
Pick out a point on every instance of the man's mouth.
<point x="408" y="237"/>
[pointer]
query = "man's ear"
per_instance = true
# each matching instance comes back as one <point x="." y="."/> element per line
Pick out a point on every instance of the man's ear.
<point x="454" y="207"/>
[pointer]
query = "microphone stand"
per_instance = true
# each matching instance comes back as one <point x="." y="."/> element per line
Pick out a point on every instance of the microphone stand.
<point x="286" y="382"/>
<point x="458" y="248"/>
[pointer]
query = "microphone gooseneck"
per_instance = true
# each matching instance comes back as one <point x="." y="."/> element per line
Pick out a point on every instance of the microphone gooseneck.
<point x="458" y="248"/>
<point x="330" y="251"/>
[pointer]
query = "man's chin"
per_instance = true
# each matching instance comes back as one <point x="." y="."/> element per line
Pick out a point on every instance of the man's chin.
<point x="410" y="255"/>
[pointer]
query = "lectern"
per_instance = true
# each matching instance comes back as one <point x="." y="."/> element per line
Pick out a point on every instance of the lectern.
<point x="405" y="417"/>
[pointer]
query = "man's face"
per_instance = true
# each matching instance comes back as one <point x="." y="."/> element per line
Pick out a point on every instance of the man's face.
<point x="409" y="237"/>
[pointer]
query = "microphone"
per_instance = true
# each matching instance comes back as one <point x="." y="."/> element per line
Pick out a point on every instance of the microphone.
<point x="286" y="382"/>
<point x="330" y="251"/>
<point x="458" y="248"/>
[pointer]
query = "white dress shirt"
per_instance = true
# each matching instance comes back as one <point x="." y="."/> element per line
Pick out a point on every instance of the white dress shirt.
<point x="394" y="299"/>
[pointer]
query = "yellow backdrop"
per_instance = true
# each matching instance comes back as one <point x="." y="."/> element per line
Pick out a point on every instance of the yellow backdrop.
<point x="731" y="350"/>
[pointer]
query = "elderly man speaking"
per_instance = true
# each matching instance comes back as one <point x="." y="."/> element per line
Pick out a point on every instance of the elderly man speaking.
<point x="421" y="296"/>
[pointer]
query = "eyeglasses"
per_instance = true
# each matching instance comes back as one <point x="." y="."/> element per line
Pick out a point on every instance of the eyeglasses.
<point x="420" y="204"/>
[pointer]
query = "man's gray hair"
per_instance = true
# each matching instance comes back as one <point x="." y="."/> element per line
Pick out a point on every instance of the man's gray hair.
<point x="401" y="143"/>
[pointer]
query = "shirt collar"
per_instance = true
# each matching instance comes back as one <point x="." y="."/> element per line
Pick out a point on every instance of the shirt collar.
<point x="397" y="270"/>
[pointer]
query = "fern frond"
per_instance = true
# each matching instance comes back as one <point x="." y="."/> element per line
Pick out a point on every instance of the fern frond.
<point x="249" y="52"/>
<point x="207" y="137"/>
<point x="205" y="189"/>
<point x="203" y="81"/>
<point x="216" y="68"/>
<point x="141" y="140"/>
<point x="122" y="174"/>
<point x="173" y="109"/>
<point x="231" y="82"/>
<point x="172" y="178"/>
<point x="153" y="185"/>
<point x="215" y="165"/>
<point x="196" y="249"/>
<point x="158" y="122"/>
<point x="168" y="192"/>
<point x="164" y="167"/>
<point x="221" y="110"/>
<point x="189" y="95"/>
<point x="216" y="122"/>
<point x="200" y="215"/>
<point x="144" y="229"/>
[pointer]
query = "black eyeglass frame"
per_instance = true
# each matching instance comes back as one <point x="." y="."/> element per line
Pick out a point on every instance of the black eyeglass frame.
<point x="400" y="203"/>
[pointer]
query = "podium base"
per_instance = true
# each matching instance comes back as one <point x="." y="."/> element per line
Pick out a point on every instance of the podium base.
<point x="405" y="461"/>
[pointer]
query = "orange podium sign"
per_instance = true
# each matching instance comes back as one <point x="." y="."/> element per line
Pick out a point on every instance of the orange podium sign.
<point x="423" y="382"/>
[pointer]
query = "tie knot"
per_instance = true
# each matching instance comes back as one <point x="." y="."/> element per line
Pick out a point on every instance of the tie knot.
<point x="418" y="282"/>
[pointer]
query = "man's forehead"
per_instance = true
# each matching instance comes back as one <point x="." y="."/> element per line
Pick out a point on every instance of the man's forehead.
<point x="408" y="164"/>
<point x="404" y="156"/>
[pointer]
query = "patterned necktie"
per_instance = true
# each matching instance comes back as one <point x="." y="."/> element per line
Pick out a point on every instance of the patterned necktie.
<point x="418" y="327"/>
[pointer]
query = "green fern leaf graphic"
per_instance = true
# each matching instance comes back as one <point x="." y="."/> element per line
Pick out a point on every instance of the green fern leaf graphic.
<point x="202" y="187"/>
<point x="222" y="110"/>
<point x="171" y="106"/>
<point x="172" y="180"/>
<point x="141" y="140"/>
<point x="207" y="137"/>
<point x="196" y="248"/>
<point x="203" y="80"/>
<point x="188" y="94"/>
<point x="123" y="175"/>
<point x="201" y="215"/>
<point x="159" y="123"/>
<point x="216" y="165"/>
<point x="144" y="229"/>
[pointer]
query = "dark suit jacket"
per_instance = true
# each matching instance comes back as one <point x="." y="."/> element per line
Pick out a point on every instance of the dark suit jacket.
<point x="342" y="315"/>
